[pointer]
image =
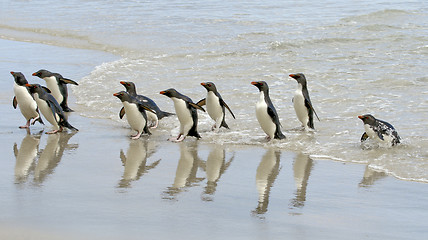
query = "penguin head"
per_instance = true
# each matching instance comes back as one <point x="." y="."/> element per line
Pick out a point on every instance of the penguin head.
<point x="210" y="86"/>
<point x="368" y="119"/>
<point x="299" y="77"/>
<point x="37" y="88"/>
<point x="123" y="96"/>
<point x="19" y="78"/>
<point x="261" y="85"/>
<point x="170" y="93"/>
<point x="130" y="86"/>
<point x="42" y="73"/>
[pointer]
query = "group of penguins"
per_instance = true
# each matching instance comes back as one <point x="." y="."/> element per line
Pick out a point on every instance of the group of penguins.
<point x="142" y="112"/>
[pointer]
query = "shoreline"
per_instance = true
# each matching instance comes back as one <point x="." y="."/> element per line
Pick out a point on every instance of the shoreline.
<point x="99" y="184"/>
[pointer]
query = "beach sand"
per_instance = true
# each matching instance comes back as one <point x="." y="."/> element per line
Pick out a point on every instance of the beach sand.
<point x="99" y="184"/>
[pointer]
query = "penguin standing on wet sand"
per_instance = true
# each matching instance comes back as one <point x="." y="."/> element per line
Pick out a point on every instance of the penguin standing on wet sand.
<point x="58" y="86"/>
<point x="266" y="113"/>
<point x="186" y="112"/>
<point x="136" y="113"/>
<point x="379" y="130"/>
<point x="302" y="102"/>
<point x="149" y="103"/>
<point x="215" y="106"/>
<point x="50" y="108"/>
<point x="25" y="100"/>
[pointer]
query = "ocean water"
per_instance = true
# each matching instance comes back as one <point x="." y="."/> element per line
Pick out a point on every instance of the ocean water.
<point x="359" y="57"/>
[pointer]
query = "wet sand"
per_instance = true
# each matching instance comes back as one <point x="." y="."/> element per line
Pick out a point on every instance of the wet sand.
<point x="99" y="184"/>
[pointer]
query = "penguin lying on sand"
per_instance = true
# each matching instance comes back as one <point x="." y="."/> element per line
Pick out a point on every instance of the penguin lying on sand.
<point x="25" y="100"/>
<point x="186" y="112"/>
<point x="215" y="106"/>
<point x="136" y="113"/>
<point x="379" y="130"/>
<point x="149" y="103"/>
<point x="266" y="113"/>
<point x="302" y="102"/>
<point x="58" y="86"/>
<point x="50" y="108"/>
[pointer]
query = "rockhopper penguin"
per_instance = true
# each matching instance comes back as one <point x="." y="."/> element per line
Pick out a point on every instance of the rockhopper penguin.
<point x="58" y="86"/>
<point x="302" y="102"/>
<point x="50" y="108"/>
<point x="25" y="100"/>
<point x="266" y="113"/>
<point x="379" y="130"/>
<point x="136" y="113"/>
<point x="186" y="112"/>
<point x="215" y="106"/>
<point x="149" y="103"/>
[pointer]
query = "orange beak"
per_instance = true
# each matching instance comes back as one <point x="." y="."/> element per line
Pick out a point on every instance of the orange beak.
<point x="360" y="117"/>
<point x="162" y="92"/>
<point x="34" y="74"/>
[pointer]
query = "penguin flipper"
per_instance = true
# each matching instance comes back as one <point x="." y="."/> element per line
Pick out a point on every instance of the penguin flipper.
<point x="14" y="102"/>
<point x="222" y="102"/>
<point x="201" y="102"/>
<point x="196" y="106"/>
<point x="142" y="107"/>
<point x="380" y="135"/>
<point x="364" y="137"/>
<point x="273" y="115"/>
<point x="308" y="104"/>
<point x="68" y="81"/>
<point x="122" y="112"/>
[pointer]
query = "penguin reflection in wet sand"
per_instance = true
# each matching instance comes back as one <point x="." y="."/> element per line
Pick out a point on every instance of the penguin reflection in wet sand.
<point x="50" y="108"/>
<point x="58" y="86"/>
<point x="302" y="102"/>
<point x="25" y="100"/>
<point x="379" y="130"/>
<point x="215" y="106"/>
<point x="149" y="103"/>
<point x="266" y="113"/>
<point x="136" y="113"/>
<point x="186" y="112"/>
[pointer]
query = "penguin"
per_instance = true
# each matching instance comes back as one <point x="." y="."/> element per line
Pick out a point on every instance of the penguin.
<point x="266" y="113"/>
<point x="379" y="130"/>
<point x="186" y="112"/>
<point x="25" y="100"/>
<point x="137" y="116"/>
<point x="152" y="117"/>
<point x="58" y="86"/>
<point x="302" y="102"/>
<point x="215" y="106"/>
<point x="50" y="108"/>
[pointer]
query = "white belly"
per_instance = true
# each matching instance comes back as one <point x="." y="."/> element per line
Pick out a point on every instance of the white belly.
<point x="263" y="117"/>
<point x="135" y="119"/>
<point x="213" y="107"/>
<point x="184" y="116"/>
<point x="300" y="108"/>
<point x="373" y="135"/>
<point x="47" y="112"/>
<point x="26" y="103"/>
<point x="52" y="84"/>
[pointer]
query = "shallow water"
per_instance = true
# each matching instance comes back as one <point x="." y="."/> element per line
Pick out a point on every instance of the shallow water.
<point x="364" y="57"/>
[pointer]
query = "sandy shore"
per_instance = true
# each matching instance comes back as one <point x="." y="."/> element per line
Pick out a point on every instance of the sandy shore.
<point x="99" y="184"/>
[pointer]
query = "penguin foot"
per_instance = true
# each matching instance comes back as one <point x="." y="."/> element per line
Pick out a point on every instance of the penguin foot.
<point x="180" y="138"/>
<point x="26" y="125"/>
<point x="268" y="138"/>
<point x="136" y="136"/>
<point x="54" y="131"/>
